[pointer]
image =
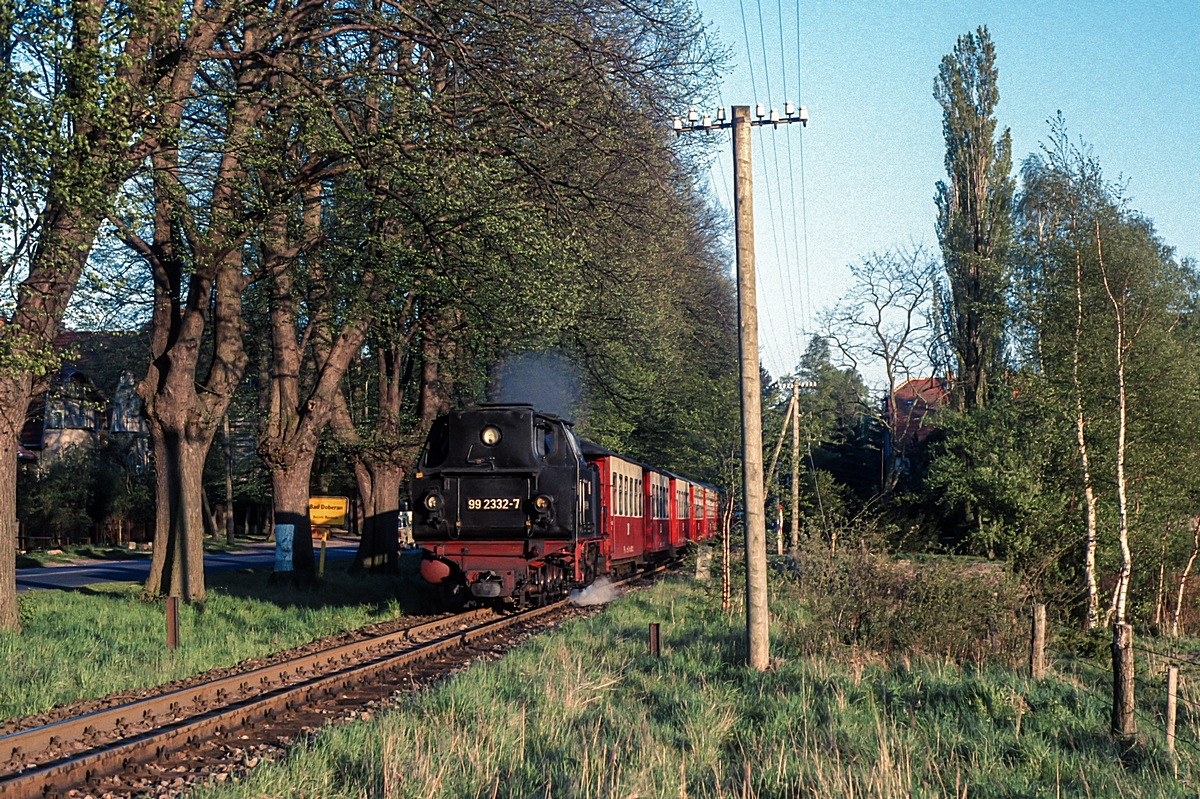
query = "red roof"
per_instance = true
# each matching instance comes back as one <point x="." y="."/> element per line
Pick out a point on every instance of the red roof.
<point x="913" y="400"/>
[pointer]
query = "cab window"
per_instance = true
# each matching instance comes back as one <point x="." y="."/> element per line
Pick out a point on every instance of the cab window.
<point x="543" y="440"/>
<point x="437" y="446"/>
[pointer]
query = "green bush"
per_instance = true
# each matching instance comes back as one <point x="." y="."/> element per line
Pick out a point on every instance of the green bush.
<point x="966" y="611"/>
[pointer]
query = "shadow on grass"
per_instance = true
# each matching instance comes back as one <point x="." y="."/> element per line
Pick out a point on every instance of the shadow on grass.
<point x="403" y="589"/>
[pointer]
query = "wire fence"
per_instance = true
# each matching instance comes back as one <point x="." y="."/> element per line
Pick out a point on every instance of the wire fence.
<point x="1151" y="695"/>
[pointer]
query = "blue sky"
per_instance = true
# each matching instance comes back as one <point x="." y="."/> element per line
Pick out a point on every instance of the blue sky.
<point x="1125" y="76"/>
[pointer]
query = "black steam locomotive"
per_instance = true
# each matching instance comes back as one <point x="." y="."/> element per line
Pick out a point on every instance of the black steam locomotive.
<point x="508" y="504"/>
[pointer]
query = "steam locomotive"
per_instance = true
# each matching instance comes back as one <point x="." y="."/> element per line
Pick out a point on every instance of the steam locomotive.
<point x="509" y="505"/>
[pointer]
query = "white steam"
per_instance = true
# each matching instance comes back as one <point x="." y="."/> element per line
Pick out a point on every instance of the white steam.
<point x="598" y="593"/>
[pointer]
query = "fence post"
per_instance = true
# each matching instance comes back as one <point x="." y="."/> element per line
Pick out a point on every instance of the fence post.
<point x="1122" y="709"/>
<point x="1172" y="696"/>
<point x="654" y="642"/>
<point x="172" y="622"/>
<point x="1037" y="643"/>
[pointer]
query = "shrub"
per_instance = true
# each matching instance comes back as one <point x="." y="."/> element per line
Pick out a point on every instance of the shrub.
<point x="967" y="611"/>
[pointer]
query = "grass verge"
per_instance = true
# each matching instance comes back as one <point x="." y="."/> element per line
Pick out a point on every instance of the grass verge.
<point x="586" y="712"/>
<point x="93" y="641"/>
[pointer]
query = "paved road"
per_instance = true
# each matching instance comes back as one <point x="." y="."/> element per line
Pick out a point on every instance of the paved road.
<point x="256" y="556"/>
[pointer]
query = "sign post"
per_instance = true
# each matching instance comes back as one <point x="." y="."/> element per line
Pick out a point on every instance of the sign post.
<point x="324" y="538"/>
<point x="324" y="513"/>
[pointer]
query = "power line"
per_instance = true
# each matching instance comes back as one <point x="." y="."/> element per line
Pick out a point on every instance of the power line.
<point x="771" y="344"/>
<point x="803" y="184"/>
<point x="781" y="265"/>
<point x="791" y="175"/>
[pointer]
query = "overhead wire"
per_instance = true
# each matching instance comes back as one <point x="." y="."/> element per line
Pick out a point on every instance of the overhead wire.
<point x="782" y="264"/>
<point x="804" y="296"/>
<point x="803" y="184"/>
<point x="769" y="340"/>
<point x="807" y="293"/>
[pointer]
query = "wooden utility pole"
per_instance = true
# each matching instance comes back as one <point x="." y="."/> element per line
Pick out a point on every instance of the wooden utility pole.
<point x="753" y="499"/>
<point x="757" y="619"/>
<point x="795" y="465"/>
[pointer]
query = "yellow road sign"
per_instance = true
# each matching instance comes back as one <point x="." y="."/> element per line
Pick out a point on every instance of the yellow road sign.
<point x="328" y="511"/>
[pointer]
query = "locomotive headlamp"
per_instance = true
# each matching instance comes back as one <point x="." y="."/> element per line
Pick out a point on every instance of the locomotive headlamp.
<point x="490" y="436"/>
<point x="542" y="503"/>
<point x="433" y="501"/>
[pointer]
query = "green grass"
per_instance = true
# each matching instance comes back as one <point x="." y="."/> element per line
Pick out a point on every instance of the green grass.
<point x="89" y="642"/>
<point x="586" y="712"/>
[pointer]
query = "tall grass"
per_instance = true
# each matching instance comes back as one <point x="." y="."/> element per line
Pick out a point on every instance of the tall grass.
<point x="586" y="712"/>
<point x="92" y="641"/>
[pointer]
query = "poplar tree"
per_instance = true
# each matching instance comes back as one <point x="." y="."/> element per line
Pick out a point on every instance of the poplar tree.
<point x="974" y="224"/>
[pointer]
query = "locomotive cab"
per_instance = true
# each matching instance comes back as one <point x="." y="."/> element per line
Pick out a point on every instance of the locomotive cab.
<point x="497" y="489"/>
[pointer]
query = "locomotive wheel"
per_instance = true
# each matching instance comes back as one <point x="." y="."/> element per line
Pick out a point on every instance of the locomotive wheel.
<point x="590" y="565"/>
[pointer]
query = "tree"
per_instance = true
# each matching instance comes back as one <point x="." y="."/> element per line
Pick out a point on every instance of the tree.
<point x="1107" y="337"/>
<point x="974" y="223"/>
<point x="83" y="95"/>
<point x="884" y="321"/>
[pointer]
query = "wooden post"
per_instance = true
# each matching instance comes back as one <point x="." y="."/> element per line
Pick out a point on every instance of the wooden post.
<point x="1172" y="701"/>
<point x="757" y="620"/>
<point x="324" y="538"/>
<point x="1037" y="643"/>
<point x="172" y="622"/>
<point x="726" y="527"/>
<point x="795" y="466"/>
<point x="654" y="640"/>
<point x="228" y="483"/>
<point x="1122" y="709"/>
<point x="779" y="443"/>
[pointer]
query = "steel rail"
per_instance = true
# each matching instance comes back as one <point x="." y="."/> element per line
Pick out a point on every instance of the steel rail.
<point x="183" y="717"/>
<point x="194" y="699"/>
<point x="135" y="719"/>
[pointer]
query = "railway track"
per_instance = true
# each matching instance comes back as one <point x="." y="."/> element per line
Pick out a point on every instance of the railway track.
<point x="80" y="754"/>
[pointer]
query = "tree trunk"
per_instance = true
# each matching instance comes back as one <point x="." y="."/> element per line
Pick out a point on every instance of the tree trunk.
<point x="177" y="563"/>
<point x="1089" y="495"/>
<point x="228" y="483"/>
<point x="1183" y="578"/>
<point x="1121" y="591"/>
<point x="1160" y="593"/>
<point x="289" y="497"/>
<point x="27" y="341"/>
<point x="10" y="617"/>
<point x="378" y="549"/>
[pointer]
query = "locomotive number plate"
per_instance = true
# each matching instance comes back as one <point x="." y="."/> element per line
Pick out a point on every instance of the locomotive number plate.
<point x="493" y="503"/>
